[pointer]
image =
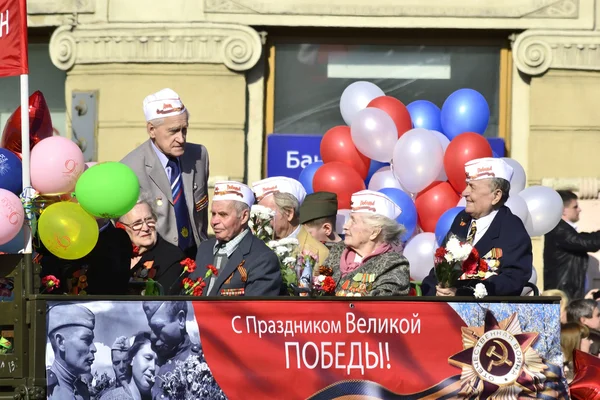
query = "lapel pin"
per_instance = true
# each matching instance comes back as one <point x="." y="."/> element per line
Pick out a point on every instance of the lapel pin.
<point x="195" y="186"/>
<point x="159" y="201"/>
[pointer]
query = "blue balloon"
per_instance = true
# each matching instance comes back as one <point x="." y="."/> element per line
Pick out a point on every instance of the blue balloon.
<point x="17" y="243"/>
<point x="444" y="223"/>
<point x="465" y="110"/>
<point x="424" y="114"/>
<point x="374" y="167"/>
<point x="495" y="155"/>
<point x="307" y="175"/>
<point x="408" y="217"/>
<point x="11" y="172"/>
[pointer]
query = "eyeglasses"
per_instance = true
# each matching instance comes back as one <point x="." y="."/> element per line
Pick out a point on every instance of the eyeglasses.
<point x="138" y="225"/>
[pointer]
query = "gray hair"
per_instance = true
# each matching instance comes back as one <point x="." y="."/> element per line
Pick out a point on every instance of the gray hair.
<point x="504" y="186"/>
<point x="142" y="199"/>
<point x="581" y="308"/>
<point x="287" y="202"/>
<point x="390" y="229"/>
<point x="159" y="121"/>
<point x="240" y="207"/>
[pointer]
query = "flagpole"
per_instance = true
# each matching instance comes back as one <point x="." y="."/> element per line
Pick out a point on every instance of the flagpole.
<point x="25" y="150"/>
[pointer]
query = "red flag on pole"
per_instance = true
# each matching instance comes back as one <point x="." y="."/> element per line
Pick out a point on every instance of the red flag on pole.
<point x="13" y="38"/>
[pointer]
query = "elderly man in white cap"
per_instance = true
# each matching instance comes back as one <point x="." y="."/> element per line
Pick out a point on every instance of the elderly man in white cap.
<point x="365" y="263"/>
<point x="174" y="173"/>
<point x="245" y="265"/>
<point x="284" y="196"/>
<point x="498" y="235"/>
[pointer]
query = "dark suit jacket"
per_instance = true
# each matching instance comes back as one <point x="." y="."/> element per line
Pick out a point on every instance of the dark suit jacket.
<point x="507" y="233"/>
<point x="260" y="263"/>
<point x="154" y="182"/>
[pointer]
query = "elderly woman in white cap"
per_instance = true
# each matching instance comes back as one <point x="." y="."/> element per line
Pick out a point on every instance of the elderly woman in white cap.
<point x="365" y="264"/>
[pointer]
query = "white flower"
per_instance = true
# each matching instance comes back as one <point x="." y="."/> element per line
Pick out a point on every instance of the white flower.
<point x="480" y="291"/>
<point x="321" y="278"/>
<point x="289" y="241"/>
<point x="273" y="243"/>
<point x="262" y="212"/>
<point x="289" y="260"/>
<point x="357" y="295"/>
<point x="281" y="250"/>
<point x="269" y="230"/>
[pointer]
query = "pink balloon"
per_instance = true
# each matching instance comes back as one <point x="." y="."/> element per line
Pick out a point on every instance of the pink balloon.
<point x="11" y="216"/>
<point x="56" y="164"/>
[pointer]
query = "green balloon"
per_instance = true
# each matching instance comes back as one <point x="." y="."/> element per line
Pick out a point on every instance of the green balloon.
<point x="108" y="190"/>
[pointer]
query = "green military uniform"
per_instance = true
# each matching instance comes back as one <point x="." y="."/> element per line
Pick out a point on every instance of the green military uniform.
<point x="63" y="384"/>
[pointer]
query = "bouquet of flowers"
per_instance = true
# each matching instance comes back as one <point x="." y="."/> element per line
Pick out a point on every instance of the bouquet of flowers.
<point x="459" y="260"/>
<point x="305" y="264"/>
<point x="286" y="250"/>
<point x="260" y="222"/>
<point x="323" y="284"/>
<point x="196" y="287"/>
<point x="190" y="380"/>
<point x="100" y="384"/>
<point x="49" y="283"/>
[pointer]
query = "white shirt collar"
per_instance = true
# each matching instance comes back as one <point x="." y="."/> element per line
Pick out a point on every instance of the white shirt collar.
<point x="572" y="224"/>
<point x="296" y="232"/>
<point x="485" y="222"/>
<point x="161" y="156"/>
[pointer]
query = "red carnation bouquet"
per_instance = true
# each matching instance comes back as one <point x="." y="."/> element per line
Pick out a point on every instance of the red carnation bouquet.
<point x="459" y="260"/>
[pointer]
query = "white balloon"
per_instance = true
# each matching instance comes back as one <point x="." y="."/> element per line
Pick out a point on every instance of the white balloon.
<point x="545" y="208"/>
<point x="518" y="180"/>
<point x="518" y="206"/>
<point x="342" y="217"/>
<point x="356" y="97"/>
<point x="418" y="159"/>
<point x="528" y="291"/>
<point x="444" y="141"/>
<point x="384" y="178"/>
<point x="374" y="134"/>
<point x="462" y="202"/>
<point x="419" y="252"/>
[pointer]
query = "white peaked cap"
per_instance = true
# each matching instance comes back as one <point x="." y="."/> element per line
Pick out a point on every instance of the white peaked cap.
<point x="369" y="201"/>
<point x="164" y="103"/>
<point x="279" y="184"/>
<point x="487" y="168"/>
<point x="231" y="190"/>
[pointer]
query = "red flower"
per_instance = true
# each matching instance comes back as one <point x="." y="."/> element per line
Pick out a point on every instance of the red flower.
<point x="329" y="285"/>
<point x="471" y="264"/>
<point x="189" y="265"/>
<point x="440" y="253"/>
<point x="187" y="283"/>
<point x="198" y="290"/>
<point x="50" y="282"/>
<point x="212" y="270"/>
<point x="483" y="265"/>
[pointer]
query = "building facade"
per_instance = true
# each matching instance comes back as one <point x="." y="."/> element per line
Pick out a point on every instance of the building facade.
<point x="247" y="68"/>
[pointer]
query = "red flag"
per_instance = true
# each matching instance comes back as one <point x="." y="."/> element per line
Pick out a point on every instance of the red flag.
<point x="13" y="38"/>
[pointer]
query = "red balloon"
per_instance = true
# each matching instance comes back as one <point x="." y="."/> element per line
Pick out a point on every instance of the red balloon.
<point x="432" y="202"/>
<point x="462" y="149"/>
<point x="586" y="382"/>
<point x="337" y="145"/>
<point x="40" y="125"/>
<point x="396" y="110"/>
<point x="338" y="178"/>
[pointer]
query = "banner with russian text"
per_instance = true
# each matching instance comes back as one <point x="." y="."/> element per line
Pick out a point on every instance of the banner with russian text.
<point x="13" y="38"/>
<point x="317" y="350"/>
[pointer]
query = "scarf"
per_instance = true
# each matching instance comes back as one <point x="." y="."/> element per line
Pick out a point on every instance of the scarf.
<point x="347" y="263"/>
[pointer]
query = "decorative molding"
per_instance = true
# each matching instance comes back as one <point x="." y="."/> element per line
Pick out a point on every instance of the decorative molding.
<point x="559" y="9"/>
<point x="238" y="47"/>
<point x="587" y="188"/>
<point x="36" y="7"/>
<point x="534" y="52"/>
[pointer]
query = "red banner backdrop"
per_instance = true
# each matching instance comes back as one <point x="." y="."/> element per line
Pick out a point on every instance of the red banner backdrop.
<point x="13" y="38"/>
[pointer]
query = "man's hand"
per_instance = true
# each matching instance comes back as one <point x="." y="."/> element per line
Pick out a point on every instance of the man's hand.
<point x="445" y="291"/>
<point x="590" y="294"/>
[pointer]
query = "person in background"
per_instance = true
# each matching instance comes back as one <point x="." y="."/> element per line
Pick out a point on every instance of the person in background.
<point x="584" y="311"/>
<point x="118" y="355"/>
<point x="153" y="257"/>
<point x="173" y="172"/>
<point x="318" y="214"/>
<point x="573" y="336"/>
<point x="566" y="250"/>
<point x="564" y="301"/>
<point x="365" y="264"/>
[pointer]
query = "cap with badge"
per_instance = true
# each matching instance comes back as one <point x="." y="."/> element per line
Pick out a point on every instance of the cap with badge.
<point x="279" y="184"/>
<point x="231" y="190"/>
<point x="164" y="103"/>
<point x="70" y="315"/>
<point x="151" y="307"/>
<point x="318" y="205"/>
<point x="369" y="201"/>
<point x="121" y="344"/>
<point x="488" y="168"/>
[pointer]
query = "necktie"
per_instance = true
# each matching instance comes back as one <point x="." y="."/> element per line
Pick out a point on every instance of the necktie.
<point x="181" y="211"/>
<point x="472" y="232"/>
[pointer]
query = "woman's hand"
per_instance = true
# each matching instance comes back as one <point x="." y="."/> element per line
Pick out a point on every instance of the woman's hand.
<point x="590" y="294"/>
<point x="446" y="292"/>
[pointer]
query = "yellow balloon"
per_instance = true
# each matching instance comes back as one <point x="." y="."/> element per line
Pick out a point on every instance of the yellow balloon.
<point x="67" y="230"/>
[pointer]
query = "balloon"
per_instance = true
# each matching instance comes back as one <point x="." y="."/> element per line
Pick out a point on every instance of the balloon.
<point x="384" y="178"/>
<point x="40" y="125"/>
<point x="374" y="167"/>
<point x="586" y="382"/>
<point x="337" y="145"/>
<point x="307" y="175"/>
<point x="419" y="252"/>
<point x="11" y="216"/>
<point x="408" y="217"/>
<point x="432" y="202"/>
<point x="462" y="149"/>
<point x="418" y="159"/>
<point x="527" y="291"/>
<point x="444" y="141"/>
<point x="56" y="164"/>
<point x="545" y="208"/>
<point x="342" y="217"/>
<point x="396" y="110"/>
<point x="518" y="180"/>
<point x="518" y="206"/>
<point x="67" y="231"/>
<point x="445" y="223"/>
<point x="462" y="202"/>
<point x="17" y="243"/>
<point x="356" y="97"/>
<point x="337" y="178"/>
<point x="11" y="172"/>
<point x="424" y="114"/>
<point x="374" y="134"/>
<point x="465" y="110"/>
<point x="109" y="190"/>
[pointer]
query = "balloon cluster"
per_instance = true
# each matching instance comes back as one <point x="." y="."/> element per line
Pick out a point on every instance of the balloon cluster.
<point x="416" y="155"/>
<point x="68" y="195"/>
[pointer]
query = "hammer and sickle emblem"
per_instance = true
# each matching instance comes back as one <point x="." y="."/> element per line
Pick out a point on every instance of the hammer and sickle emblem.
<point x="501" y="358"/>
